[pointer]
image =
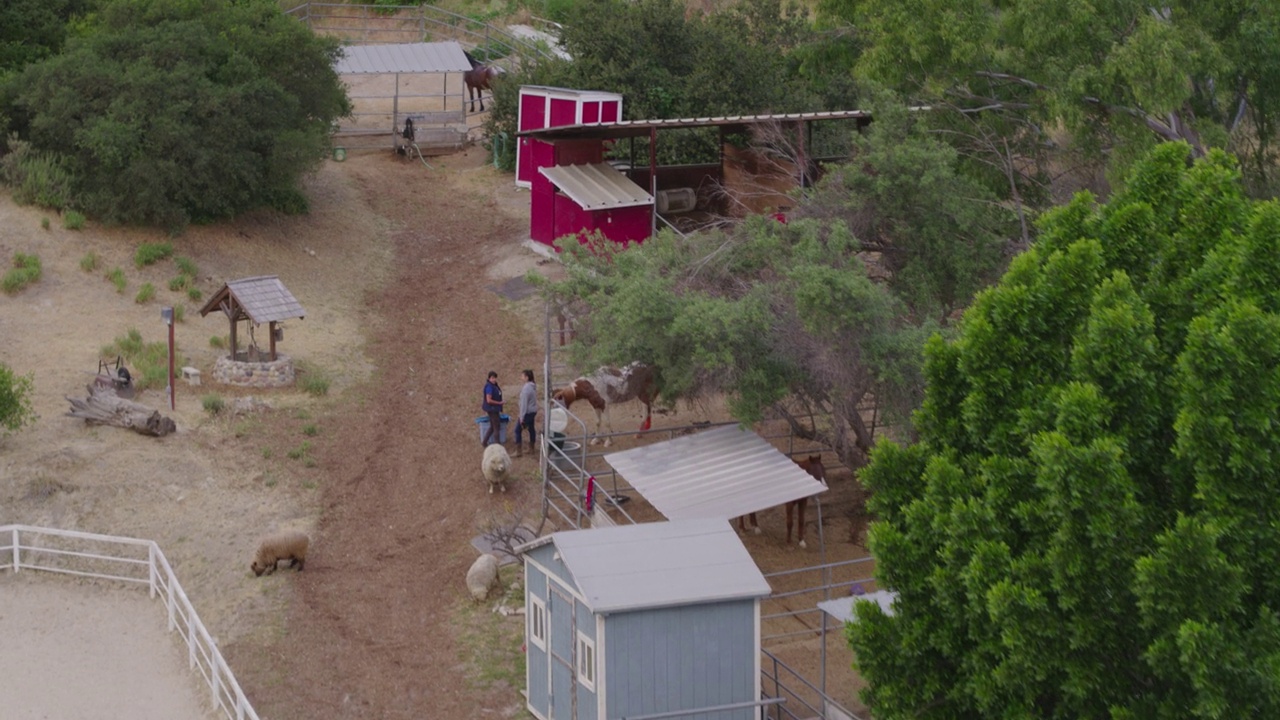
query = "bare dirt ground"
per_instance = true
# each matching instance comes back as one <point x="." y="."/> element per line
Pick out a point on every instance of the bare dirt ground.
<point x="395" y="266"/>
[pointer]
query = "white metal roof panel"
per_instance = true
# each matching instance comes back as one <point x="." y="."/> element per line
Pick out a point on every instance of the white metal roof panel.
<point x="597" y="187"/>
<point x="842" y="608"/>
<point x="725" y="472"/>
<point x="436" y="57"/>
<point x="634" y="567"/>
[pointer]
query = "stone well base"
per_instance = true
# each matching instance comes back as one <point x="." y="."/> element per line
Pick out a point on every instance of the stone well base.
<point x="254" y="374"/>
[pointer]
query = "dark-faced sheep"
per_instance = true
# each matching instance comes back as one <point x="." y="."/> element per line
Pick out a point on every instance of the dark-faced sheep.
<point x="290" y="545"/>
<point x="496" y="466"/>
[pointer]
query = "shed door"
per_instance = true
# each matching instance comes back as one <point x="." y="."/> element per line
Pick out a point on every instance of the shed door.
<point x="564" y="634"/>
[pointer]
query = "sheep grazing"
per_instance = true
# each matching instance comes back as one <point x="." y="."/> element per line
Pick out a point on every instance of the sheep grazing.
<point x="290" y="545"/>
<point x="496" y="466"/>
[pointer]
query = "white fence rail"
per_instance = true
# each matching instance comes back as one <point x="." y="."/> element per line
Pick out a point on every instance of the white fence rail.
<point x="128" y="560"/>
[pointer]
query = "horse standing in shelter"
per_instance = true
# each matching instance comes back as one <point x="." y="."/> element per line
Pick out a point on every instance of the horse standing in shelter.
<point x="477" y="80"/>
<point x="813" y="466"/>
<point x="610" y="385"/>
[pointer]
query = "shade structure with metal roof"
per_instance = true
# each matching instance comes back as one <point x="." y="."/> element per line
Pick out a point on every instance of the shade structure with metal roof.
<point x="842" y="608"/>
<point x="724" y="473"/>
<point x="433" y="57"/>
<point x="662" y="564"/>
<point x="597" y="186"/>
<point x="260" y="299"/>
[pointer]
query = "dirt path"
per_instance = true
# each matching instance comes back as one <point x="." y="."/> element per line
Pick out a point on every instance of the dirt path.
<point x="369" y="632"/>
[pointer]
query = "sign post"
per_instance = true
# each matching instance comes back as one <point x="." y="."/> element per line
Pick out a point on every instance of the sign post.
<point x="166" y="313"/>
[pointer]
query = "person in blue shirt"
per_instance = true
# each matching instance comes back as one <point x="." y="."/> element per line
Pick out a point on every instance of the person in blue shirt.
<point x="528" y="412"/>
<point x="492" y="406"/>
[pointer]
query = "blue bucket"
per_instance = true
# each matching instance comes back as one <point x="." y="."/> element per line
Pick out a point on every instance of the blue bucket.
<point x="503" y="421"/>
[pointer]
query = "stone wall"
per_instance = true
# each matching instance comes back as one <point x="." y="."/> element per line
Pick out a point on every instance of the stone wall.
<point x="254" y="374"/>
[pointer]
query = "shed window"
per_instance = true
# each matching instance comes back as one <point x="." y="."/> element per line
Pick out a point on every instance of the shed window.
<point x="586" y="662"/>
<point x="537" y="622"/>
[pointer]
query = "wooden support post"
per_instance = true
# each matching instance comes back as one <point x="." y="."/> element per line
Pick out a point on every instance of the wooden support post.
<point x="272" y="329"/>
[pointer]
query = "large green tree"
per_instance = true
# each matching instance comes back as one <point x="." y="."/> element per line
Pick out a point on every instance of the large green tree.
<point x="796" y="319"/>
<point x="669" y="63"/>
<point x="1087" y="526"/>
<point x="169" y="111"/>
<point x="1121" y="74"/>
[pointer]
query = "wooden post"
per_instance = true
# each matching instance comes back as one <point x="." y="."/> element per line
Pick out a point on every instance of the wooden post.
<point x="234" y="323"/>
<point x="272" y="329"/>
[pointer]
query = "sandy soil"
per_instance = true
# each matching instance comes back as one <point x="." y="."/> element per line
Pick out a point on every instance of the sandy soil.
<point x="396" y="267"/>
<point x="91" y="653"/>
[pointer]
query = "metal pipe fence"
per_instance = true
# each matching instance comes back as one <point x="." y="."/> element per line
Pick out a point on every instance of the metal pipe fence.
<point x="803" y="699"/>
<point x="137" y="562"/>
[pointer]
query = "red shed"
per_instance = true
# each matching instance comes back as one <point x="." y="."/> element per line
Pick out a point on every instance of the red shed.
<point x="569" y="199"/>
<point x="547" y="107"/>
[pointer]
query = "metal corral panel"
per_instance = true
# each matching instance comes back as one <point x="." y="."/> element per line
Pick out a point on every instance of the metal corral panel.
<point x="597" y="187"/>
<point x="724" y="473"/>
<point x="632" y="567"/>
<point x="681" y="658"/>
<point x="436" y="57"/>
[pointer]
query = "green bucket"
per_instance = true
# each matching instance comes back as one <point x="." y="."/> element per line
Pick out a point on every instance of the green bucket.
<point x="339" y="154"/>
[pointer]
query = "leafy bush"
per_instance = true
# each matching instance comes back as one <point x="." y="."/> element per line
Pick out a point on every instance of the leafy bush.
<point x="213" y="404"/>
<point x="151" y="253"/>
<point x="178" y="284"/>
<point x="186" y="266"/>
<point x="90" y="261"/>
<point x="148" y="362"/>
<point x="26" y="270"/>
<point x="36" y="177"/>
<point x="116" y="276"/>
<point x="217" y="342"/>
<point x="73" y="220"/>
<point x="194" y="294"/>
<point x="136" y="151"/>
<point x="179" y="313"/>
<point x="44" y="223"/>
<point x="15" y="400"/>
<point x="145" y="293"/>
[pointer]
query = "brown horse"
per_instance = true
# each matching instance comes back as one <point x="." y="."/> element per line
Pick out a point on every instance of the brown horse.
<point x="478" y="79"/>
<point x="811" y="465"/>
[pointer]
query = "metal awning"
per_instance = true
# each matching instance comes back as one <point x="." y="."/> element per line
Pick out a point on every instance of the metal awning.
<point x="436" y="57"/>
<point x="842" y="608"/>
<point x="597" y="187"/>
<point x="723" y="473"/>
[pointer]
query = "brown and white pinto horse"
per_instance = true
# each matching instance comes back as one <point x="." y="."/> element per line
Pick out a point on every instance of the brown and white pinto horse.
<point x="811" y="465"/>
<point x="611" y="385"/>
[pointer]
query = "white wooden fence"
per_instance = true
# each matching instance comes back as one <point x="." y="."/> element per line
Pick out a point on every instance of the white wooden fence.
<point x="128" y="560"/>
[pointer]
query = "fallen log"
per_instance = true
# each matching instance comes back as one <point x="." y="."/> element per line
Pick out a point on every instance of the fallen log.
<point x="104" y="407"/>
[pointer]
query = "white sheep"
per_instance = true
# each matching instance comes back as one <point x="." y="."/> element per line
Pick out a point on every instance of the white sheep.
<point x="496" y="465"/>
<point x="289" y="545"/>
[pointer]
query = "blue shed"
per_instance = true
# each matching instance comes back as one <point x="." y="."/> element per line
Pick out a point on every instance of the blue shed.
<point x="637" y="620"/>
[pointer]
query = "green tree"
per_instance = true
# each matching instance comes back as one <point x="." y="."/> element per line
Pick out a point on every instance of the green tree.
<point x="15" y="400"/>
<point x="170" y="111"/>
<point x="938" y="234"/>
<point x="31" y="30"/>
<point x="1122" y="74"/>
<point x="1086" y="525"/>
<point x="669" y="64"/>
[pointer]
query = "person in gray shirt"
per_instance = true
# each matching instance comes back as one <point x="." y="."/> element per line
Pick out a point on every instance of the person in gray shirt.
<point x="528" y="412"/>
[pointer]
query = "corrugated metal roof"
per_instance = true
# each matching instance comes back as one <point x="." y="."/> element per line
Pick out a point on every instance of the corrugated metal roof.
<point x="624" y="128"/>
<point x="262" y="299"/>
<point x="842" y="608"/>
<point x="634" y="567"/>
<point x="436" y="57"/>
<point x="725" y="472"/>
<point x="597" y="187"/>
